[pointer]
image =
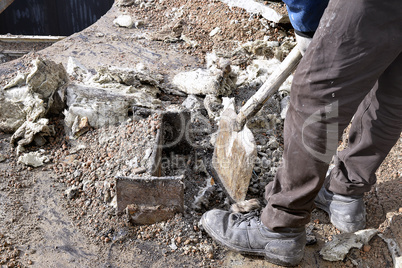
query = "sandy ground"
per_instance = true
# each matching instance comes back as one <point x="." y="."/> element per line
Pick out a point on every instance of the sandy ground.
<point x="44" y="227"/>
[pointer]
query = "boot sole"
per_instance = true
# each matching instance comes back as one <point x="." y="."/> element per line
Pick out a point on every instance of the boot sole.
<point x="272" y="258"/>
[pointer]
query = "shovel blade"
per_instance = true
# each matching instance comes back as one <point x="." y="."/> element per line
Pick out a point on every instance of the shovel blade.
<point x="234" y="156"/>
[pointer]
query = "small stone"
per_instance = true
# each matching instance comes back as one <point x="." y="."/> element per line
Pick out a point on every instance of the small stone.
<point x="214" y="31"/>
<point x="366" y="248"/>
<point x="124" y="21"/>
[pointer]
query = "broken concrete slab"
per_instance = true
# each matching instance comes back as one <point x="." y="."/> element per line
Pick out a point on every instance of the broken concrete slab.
<point x="203" y="82"/>
<point x="150" y="199"/>
<point x="46" y="78"/>
<point x="99" y="106"/>
<point x="138" y="83"/>
<point x="77" y="70"/>
<point x="30" y="96"/>
<point x="340" y="245"/>
<point x="216" y="79"/>
<point x="198" y="82"/>
<point x="110" y="97"/>
<point x="29" y="131"/>
<point x="259" y="8"/>
<point x="27" y="99"/>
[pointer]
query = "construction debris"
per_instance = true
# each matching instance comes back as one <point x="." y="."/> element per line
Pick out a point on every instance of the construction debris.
<point x="258" y="8"/>
<point x="34" y="159"/>
<point x="340" y="245"/>
<point x="217" y="79"/>
<point x="28" y="98"/>
<point x="124" y="21"/>
<point x="109" y="96"/>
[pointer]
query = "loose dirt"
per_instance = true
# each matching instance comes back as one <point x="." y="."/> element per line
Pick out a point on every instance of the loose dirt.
<point x="42" y="225"/>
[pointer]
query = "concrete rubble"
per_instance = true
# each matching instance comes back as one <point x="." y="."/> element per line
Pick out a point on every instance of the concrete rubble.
<point x="33" y="159"/>
<point x="216" y="79"/>
<point x="27" y="99"/>
<point x="340" y="245"/>
<point x="108" y="96"/>
<point x="255" y="7"/>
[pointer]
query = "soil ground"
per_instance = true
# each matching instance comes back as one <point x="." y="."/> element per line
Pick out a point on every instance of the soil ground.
<point x="44" y="227"/>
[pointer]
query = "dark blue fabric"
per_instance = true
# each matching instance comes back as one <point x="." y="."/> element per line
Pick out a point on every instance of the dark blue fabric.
<point x="305" y="14"/>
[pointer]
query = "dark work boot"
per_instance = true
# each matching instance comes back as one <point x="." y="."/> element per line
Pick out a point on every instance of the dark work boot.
<point x="246" y="234"/>
<point x="347" y="213"/>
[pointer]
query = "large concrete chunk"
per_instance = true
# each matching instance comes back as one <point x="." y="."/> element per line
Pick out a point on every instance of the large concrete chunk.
<point x="28" y="98"/>
<point x="340" y="245"/>
<point x="150" y="199"/>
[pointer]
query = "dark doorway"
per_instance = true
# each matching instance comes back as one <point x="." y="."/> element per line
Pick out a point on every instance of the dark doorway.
<point x="51" y="17"/>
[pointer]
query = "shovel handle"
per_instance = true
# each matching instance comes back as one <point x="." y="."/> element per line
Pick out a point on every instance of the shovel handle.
<point x="275" y="80"/>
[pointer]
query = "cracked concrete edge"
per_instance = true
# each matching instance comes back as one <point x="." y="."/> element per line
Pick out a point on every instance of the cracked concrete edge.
<point x="252" y="6"/>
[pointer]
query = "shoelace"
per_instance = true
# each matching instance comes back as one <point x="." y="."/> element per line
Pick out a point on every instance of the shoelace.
<point x="248" y="217"/>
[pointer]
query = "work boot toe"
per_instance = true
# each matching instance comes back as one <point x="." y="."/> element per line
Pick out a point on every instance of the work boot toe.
<point x="246" y="234"/>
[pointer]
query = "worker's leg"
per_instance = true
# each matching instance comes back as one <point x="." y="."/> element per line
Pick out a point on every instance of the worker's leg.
<point x="375" y="129"/>
<point x="355" y="43"/>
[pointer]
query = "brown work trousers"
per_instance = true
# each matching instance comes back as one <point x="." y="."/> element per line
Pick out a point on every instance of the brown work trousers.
<point x="352" y="69"/>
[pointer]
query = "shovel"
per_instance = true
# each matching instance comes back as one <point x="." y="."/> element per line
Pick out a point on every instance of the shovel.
<point x="235" y="147"/>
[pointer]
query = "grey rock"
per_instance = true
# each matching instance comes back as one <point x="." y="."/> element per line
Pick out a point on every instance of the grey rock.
<point x="340" y="245"/>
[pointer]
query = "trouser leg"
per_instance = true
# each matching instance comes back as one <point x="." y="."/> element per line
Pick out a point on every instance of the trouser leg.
<point x="375" y="129"/>
<point x="342" y="65"/>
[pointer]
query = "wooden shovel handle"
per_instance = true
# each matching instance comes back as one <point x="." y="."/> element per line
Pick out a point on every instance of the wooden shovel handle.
<point x="275" y="80"/>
